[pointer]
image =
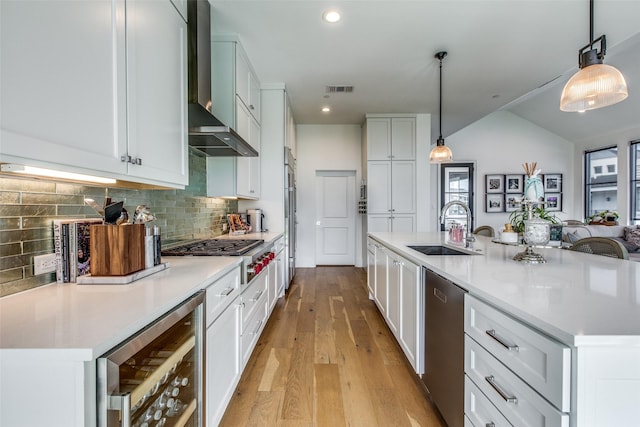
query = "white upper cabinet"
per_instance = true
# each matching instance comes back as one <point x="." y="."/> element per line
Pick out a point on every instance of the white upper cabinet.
<point x="156" y="59"/>
<point x="63" y="84"/>
<point x="391" y="138"/>
<point x="91" y="95"/>
<point x="232" y="76"/>
<point x="236" y="102"/>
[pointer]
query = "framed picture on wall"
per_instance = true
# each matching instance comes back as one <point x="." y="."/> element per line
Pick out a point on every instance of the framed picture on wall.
<point x="553" y="183"/>
<point x="512" y="202"/>
<point x="553" y="202"/>
<point x="494" y="203"/>
<point x="514" y="183"/>
<point x="495" y="183"/>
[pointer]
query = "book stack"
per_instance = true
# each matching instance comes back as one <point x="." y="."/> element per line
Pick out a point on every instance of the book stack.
<point x="72" y="249"/>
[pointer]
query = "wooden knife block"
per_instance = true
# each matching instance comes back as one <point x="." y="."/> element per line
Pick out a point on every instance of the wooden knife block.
<point x="116" y="250"/>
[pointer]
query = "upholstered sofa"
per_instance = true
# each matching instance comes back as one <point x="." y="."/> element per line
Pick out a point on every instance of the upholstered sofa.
<point x="572" y="233"/>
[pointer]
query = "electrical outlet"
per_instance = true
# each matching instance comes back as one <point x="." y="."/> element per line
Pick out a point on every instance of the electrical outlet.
<point x="44" y="264"/>
<point x="224" y="226"/>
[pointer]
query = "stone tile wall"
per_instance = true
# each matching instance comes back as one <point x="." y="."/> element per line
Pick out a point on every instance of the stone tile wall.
<point x="28" y="206"/>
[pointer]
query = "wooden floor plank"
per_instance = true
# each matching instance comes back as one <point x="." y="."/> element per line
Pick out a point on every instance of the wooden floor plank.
<point x="328" y="396"/>
<point x="326" y="358"/>
<point x="298" y="395"/>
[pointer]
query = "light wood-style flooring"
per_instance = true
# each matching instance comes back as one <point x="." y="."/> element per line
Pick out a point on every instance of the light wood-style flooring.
<point x="326" y="358"/>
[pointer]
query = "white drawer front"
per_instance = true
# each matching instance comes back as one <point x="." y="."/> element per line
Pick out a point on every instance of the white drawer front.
<point x="252" y="295"/>
<point x="221" y="293"/>
<point x="479" y="410"/>
<point x="253" y="327"/>
<point x="543" y="363"/>
<point x="518" y="402"/>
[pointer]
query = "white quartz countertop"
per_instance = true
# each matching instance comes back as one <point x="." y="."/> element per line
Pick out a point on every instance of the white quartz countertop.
<point x="579" y="299"/>
<point x="82" y="322"/>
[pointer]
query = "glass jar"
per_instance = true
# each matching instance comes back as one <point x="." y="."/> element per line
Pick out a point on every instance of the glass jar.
<point x="537" y="231"/>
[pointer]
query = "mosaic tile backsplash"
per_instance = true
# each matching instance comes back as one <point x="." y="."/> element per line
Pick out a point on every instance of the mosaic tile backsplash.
<point x="28" y="207"/>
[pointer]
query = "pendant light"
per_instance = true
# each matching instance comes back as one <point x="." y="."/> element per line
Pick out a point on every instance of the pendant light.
<point x="595" y="85"/>
<point x="440" y="153"/>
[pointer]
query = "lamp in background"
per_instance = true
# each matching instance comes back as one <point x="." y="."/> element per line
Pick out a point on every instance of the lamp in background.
<point x="440" y="153"/>
<point x="595" y="85"/>
<point x="53" y="174"/>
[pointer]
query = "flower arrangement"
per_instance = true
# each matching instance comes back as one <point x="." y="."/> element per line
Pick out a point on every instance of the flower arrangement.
<point x="533" y="190"/>
<point x="602" y="217"/>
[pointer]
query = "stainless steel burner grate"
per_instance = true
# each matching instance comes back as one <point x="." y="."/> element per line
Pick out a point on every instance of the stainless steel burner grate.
<point x="215" y="247"/>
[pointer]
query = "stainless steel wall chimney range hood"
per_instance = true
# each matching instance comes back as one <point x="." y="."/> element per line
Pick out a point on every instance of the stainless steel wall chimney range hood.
<point x="207" y="135"/>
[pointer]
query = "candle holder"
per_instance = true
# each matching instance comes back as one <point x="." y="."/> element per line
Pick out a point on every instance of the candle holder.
<point x="536" y="233"/>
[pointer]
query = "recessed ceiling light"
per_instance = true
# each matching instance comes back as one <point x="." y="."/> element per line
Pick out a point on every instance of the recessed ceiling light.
<point x="326" y="109"/>
<point x="331" y="16"/>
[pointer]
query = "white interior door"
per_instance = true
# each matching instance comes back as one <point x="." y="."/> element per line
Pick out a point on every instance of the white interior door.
<point x="335" y="217"/>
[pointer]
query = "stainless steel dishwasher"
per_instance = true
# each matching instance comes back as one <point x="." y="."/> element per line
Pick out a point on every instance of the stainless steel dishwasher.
<point x="444" y="347"/>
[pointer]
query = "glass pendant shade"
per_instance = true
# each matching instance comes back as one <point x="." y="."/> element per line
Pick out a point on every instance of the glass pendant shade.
<point x="440" y="154"/>
<point x="594" y="86"/>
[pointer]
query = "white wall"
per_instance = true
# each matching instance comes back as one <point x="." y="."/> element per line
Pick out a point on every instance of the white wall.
<point x="323" y="147"/>
<point x="500" y="143"/>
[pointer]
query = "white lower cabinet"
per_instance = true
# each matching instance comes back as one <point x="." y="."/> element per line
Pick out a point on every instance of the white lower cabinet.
<point x="478" y="409"/>
<point x="254" y="308"/>
<point x="411" y="316"/>
<point x="397" y="289"/>
<point x="279" y="270"/>
<point x="223" y="362"/>
<point x="525" y="375"/>
<point x="233" y="327"/>
<point x="394" y="272"/>
<point x="371" y="267"/>
<point x="515" y="399"/>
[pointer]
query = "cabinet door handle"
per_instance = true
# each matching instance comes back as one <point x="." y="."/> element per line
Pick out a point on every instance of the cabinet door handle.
<point x="125" y="159"/>
<point x="492" y="382"/>
<point x="490" y="424"/>
<point x="501" y="341"/>
<point x="226" y="292"/>
<point x="257" y="295"/>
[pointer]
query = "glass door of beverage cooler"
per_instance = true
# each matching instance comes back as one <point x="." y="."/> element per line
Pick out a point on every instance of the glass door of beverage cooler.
<point x="154" y="379"/>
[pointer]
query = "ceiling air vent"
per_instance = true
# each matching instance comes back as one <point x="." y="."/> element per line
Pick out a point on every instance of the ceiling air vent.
<point x="339" y="89"/>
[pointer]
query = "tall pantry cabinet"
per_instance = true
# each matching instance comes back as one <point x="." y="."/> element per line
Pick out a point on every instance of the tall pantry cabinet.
<point x="391" y="172"/>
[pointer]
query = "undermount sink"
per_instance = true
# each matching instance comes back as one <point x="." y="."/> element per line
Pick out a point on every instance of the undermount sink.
<point x="437" y="250"/>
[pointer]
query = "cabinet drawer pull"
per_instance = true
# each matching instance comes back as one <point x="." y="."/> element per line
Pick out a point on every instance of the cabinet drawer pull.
<point x="257" y="329"/>
<point x="226" y="292"/>
<point x="491" y="380"/>
<point x="440" y="295"/>
<point x="490" y="424"/>
<point x="492" y="334"/>
<point x="257" y="295"/>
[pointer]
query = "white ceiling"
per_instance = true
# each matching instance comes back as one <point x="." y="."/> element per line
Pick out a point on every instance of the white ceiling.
<point x="500" y="51"/>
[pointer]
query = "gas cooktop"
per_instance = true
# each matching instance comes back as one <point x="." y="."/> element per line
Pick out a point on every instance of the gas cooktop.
<point x="214" y="247"/>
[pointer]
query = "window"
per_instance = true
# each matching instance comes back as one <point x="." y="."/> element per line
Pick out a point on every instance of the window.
<point x="456" y="183"/>
<point x="601" y="188"/>
<point x="635" y="181"/>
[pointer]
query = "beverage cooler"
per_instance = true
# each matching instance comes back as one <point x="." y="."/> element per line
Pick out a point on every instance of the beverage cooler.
<point x="154" y="379"/>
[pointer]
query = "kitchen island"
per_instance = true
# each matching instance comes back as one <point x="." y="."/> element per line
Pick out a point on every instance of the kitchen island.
<point x="586" y="305"/>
